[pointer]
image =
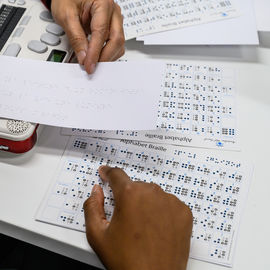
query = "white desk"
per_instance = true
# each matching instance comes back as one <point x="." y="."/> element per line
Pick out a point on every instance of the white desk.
<point x="24" y="179"/>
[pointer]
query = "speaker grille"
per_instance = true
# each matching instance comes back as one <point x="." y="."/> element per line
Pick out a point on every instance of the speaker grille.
<point x="17" y="126"/>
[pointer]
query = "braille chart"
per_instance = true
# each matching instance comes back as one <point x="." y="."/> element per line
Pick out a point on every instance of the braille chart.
<point x="150" y="16"/>
<point x="197" y="107"/>
<point x="212" y="185"/>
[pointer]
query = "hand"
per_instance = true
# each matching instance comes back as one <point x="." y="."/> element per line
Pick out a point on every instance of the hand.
<point x="150" y="229"/>
<point x="100" y="18"/>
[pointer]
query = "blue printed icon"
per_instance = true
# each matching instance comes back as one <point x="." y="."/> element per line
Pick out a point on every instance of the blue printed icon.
<point x="220" y="144"/>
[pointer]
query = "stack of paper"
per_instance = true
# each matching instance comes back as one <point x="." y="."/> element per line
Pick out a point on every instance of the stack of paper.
<point x="146" y="17"/>
<point x="197" y="108"/>
<point x="187" y="105"/>
<point x="204" y="22"/>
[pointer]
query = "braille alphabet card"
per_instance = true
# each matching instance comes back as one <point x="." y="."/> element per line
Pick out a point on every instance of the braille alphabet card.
<point x="214" y="184"/>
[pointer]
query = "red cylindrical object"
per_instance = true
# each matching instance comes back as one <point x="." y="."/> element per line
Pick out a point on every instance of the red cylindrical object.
<point x="19" y="146"/>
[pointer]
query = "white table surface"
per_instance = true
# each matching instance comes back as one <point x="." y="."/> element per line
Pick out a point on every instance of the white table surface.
<point x="25" y="178"/>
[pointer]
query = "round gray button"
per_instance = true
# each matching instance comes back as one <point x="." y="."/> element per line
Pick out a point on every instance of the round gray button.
<point x="50" y="39"/>
<point x="45" y="15"/>
<point x="55" y="29"/>
<point x="37" y="46"/>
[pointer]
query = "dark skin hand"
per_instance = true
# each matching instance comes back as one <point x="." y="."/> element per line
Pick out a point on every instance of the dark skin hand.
<point x="150" y="229"/>
<point x="100" y="18"/>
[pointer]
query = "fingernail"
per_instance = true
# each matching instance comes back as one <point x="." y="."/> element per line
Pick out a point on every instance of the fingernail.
<point x="81" y="56"/>
<point x="94" y="189"/>
<point x="92" y="68"/>
<point x="103" y="168"/>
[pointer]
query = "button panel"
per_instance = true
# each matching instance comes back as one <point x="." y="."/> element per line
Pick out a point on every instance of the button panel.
<point x="33" y="32"/>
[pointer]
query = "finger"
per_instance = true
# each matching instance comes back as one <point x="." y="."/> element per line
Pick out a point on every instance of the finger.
<point x="118" y="55"/>
<point x="76" y="36"/>
<point x="114" y="47"/>
<point x="101" y="13"/>
<point x="117" y="179"/>
<point x="85" y="16"/>
<point x="95" y="219"/>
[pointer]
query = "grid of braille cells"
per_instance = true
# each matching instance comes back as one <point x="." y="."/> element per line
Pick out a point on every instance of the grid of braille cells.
<point x="192" y="101"/>
<point x="210" y="186"/>
<point x="200" y="186"/>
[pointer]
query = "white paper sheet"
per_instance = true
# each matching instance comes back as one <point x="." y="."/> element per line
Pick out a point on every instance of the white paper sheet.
<point x="262" y="8"/>
<point x="118" y="95"/>
<point x="197" y="107"/>
<point x="213" y="184"/>
<point x="148" y="16"/>
<point x="236" y="31"/>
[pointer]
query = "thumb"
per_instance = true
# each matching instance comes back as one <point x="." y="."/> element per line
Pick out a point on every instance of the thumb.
<point x="95" y="219"/>
<point x="77" y="37"/>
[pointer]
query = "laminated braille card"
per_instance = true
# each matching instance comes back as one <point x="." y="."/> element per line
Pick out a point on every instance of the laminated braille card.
<point x="214" y="184"/>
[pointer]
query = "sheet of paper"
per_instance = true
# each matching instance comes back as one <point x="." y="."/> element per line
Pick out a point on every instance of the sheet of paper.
<point x="147" y="16"/>
<point x="262" y="8"/>
<point x="236" y="31"/>
<point x="64" y="95"/>
<point x="197" y="107"/>
<point x="213" y="184"/>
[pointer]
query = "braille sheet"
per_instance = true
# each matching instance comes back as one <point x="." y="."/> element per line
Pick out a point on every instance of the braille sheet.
<point x="148" y="16"/>
<point x="235" y="31"/>
<point x="197" y="107"/>
<point x="119" y="95"/>
<point x="214" y="184"/>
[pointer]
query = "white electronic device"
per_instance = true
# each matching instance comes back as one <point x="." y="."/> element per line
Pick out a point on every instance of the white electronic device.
<point x="28" y="30"/>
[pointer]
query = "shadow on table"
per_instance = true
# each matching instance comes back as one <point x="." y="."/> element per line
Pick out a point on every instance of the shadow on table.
<point x="222" y="53"/>
<point x="17" y="255"/>
<point x="265" y="39"/>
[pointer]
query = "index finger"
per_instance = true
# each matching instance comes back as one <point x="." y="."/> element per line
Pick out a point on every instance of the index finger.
<point x="116" y="178"/>
<point x="101" y="13"/>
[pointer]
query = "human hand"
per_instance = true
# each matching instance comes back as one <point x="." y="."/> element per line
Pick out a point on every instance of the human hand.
<point x="150" y="229"/>
<point x="100" y="18"/>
